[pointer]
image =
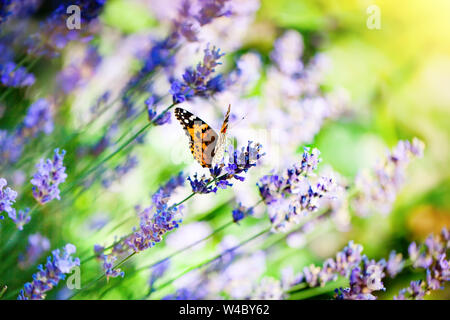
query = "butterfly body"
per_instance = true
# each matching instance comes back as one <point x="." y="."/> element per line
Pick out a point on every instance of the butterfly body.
<point x="206" y="145"/>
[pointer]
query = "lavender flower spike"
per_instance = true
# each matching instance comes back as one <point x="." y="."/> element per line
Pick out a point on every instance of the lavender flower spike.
<point x="432" y="257"/>
<point x="239" y="161"/>
<point x="291" y="195"/>
<point x="49" y="275"/>
<point x="49" y="175"/>
<point x="199" y="81"/>
<point x="7" y="197"/>
<point x="363" y="281"/>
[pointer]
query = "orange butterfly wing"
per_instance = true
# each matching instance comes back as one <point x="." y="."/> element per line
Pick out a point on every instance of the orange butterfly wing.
<point x="202" y="138"/>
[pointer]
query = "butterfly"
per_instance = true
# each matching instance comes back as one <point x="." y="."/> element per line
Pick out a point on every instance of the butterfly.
<point x="206" y="145"/>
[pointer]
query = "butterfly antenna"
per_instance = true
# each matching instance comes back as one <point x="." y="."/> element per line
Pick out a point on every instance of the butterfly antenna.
<point x="239" y="121"/>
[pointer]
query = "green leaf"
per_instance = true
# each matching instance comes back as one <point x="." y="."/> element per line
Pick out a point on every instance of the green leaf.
<point x="127" y="16"/>
<point x="293" y="14"/>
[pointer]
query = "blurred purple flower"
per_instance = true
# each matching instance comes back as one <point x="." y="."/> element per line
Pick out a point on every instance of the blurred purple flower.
<point x="53" y="33"/>
<point x="17" y="9"/>
<point x="120" y="171"/>
<point x="11" y="147"/>
<point x="228" y="275"/>
<point x="311" y="275"/>
<point x="295" y="104"/>
<point x="378" y="188"/>
<point x="100" y="102"/>
<point x="348" y="258"/>
<point x="183" y="294"/>
<point x="104" y="142"/>
<point x="50" y="174"/>
<point x="79" y="72"/>
<point x="37" y="245"/>
<point x="157" y="272"/>
<point x="13" y="76"/>
<point x="287" y="53"/>
<point x="5" y="10"/>
<point x="268" y="289"/>
<point x="394" y="264"/>
<point x="212" y="9"/>
<point x="150" y="103"/>
<point x="38" y="119"/>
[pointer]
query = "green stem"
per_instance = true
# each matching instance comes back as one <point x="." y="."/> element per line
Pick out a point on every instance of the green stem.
<point x="313" y="292"/>
<point x="2" y="292"/>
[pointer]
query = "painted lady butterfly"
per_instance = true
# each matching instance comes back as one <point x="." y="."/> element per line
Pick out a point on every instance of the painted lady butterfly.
<point x="206" y="145"/>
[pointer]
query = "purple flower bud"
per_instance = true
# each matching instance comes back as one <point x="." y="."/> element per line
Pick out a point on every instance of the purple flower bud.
<point x="21" y="218"/>
<point x="241" y="212"/>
